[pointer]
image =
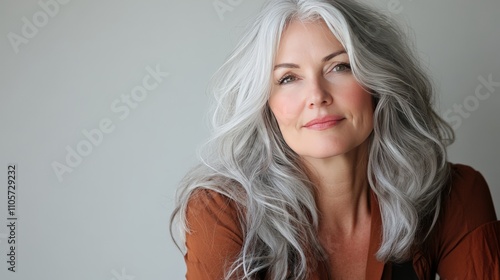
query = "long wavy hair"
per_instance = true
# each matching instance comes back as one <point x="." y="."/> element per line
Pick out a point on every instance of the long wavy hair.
<point x="247" y="160"/>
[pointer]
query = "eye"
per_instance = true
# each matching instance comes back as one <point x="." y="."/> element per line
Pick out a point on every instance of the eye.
<point x="286" y="79"/>
<point x="341" y="67"/>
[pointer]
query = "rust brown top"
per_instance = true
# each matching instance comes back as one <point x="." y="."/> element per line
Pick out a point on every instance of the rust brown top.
<point x="464" y="245"/>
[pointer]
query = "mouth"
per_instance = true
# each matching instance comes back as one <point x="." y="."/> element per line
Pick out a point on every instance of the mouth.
<point x="324" y="122"/>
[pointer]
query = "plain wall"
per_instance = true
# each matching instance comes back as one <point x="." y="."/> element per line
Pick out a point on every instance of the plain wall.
<point x="106" y="216"/>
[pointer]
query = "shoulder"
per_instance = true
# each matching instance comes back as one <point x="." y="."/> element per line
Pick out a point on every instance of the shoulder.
<point x="208" y="209"/>
<point x="467" y="198"/>
<point x="215" y="235"/>
<point x="209" y="202"/>
<point x="467" y="230"/>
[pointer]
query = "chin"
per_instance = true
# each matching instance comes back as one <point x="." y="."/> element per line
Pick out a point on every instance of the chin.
<point x="324" y="153"/>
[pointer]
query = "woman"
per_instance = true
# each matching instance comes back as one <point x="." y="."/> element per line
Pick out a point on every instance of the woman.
<point x="327" y="160"/>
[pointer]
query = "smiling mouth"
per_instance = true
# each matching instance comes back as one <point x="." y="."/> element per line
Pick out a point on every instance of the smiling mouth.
<point x="323" y="124"/>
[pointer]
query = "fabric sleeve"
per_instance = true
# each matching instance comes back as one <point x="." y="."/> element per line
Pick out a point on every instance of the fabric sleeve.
<point x="469" y="239"/>
<point x="215" y="237"/>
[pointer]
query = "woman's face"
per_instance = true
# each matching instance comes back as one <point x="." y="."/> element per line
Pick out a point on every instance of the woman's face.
<point x="320" y="108"/>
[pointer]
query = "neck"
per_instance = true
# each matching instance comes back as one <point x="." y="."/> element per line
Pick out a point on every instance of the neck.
<point x="342" y="191"/>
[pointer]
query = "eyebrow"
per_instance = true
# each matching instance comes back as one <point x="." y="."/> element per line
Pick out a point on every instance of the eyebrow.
<point x="325" y="59"/>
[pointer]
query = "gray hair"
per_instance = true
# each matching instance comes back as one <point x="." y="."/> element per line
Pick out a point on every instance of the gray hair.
<point x="247" y="160"/>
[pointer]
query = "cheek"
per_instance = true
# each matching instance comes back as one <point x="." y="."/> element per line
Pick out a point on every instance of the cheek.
<point x="359" y="105"/>
<point x="358" y="99"/>
<point x="286" y="110"/>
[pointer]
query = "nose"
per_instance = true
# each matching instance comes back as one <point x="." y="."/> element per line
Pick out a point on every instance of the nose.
<point x="319" y="95"/>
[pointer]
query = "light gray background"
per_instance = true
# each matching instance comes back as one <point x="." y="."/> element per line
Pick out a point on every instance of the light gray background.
<point x="108" y="218"/>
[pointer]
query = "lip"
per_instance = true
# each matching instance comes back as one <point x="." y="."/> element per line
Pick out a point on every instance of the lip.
<point x="324" y="122"/>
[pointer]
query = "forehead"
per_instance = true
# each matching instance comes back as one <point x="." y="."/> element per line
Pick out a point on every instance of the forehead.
<point x="299" y="37"/>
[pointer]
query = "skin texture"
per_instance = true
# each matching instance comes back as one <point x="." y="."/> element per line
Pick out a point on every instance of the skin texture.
<point x="311" y="82"/>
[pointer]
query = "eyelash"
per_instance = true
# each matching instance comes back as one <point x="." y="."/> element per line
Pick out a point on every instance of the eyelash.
<point x="281" y="81"/>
